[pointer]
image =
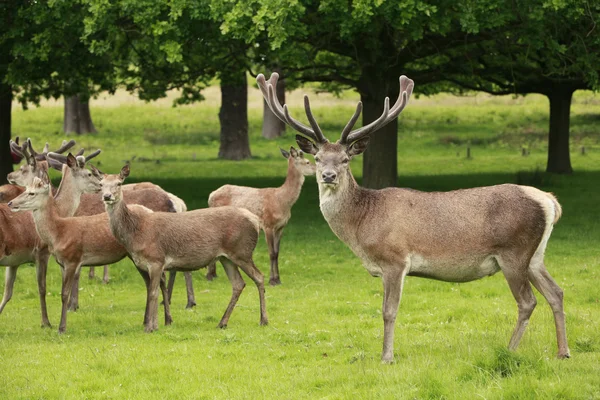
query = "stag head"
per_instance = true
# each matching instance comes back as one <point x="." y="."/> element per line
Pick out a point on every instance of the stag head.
<point x="333" y="159"/>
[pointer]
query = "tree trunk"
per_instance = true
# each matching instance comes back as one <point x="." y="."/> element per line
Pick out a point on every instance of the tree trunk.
<point x="233" y="116"/>
<point x="380" y="161"/>
<point x="77" y="117"/>
<point x="559" y="158"/>
<point x="273" y="127"/>
<point x="5" y="133"/>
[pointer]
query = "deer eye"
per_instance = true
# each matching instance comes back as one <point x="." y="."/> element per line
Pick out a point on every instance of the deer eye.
<point x="119" y="184"/>
<point x="345" y="161"/>
<point x="31" y="193"/>
<point x="317" y="159"/>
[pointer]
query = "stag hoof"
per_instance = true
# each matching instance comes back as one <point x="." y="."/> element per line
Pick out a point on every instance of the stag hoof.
<point x="168" y="321"/>
<point x="210" y="276"/>
<point x="73" y="307"/>
<point x="222" y="325"/>
<point x="563" y="356"/>
<point x="46" y="324"/>
<point x="190" y="305"/>
<point x="149" y="329"/>
<point x="105" y="281"/>
<point x="264" y="322"/>
<point x="62" y="330"/>
<point x="274" y="281"/>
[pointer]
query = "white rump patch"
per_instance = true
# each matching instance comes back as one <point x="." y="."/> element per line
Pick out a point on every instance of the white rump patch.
<point x="548" y="206"/>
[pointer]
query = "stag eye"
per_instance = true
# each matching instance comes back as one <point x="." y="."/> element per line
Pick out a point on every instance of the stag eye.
<point x="119" y="184"/>
<point x="345" y="161"/>
<point x="317" y="159"/>
<point x="31" y="194"/>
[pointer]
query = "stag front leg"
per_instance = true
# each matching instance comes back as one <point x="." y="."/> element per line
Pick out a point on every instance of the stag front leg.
<point x="146" y="278"/>
<point x="166" y="301"/>
<point x="155" y="272"/>
<point x="92" y="273"/>
<point x="68" y="277"/>
<point x="393" y="282"/>
<point x="105" y="278"/>
<point x="189" y="286"/>
<point x="41" y="268"/>
<point x="9" y="282"/>
<point x="270" y="236"/>
<point x="212" y="271"/>
<point x="74" y="301"/>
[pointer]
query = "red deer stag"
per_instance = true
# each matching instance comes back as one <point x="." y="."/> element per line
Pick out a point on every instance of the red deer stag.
<point x="455" y="236"/>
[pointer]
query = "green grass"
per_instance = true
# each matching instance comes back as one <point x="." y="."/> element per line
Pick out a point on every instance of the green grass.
<point x="325" y="333"/>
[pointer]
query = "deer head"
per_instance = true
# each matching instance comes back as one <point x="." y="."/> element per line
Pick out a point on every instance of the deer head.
<point x="297" y="160"/>
<point x="34" y="197"/>
<point x="333" y="159"/>
<point x="112" y="191"/>
<point x="35" y="164"/>
<point x="83" y="179"/>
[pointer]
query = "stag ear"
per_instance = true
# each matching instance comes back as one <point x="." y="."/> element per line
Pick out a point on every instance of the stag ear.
<point x="358" y="147"/>
<point x="306" y="145"/>
<point x="293" y="152"/>
<point x="96" y="172"/>
<point x="80" y="161"/>
<point x="284" y="153"/>
<point x="124" y="172"/>
<point x="71" y="161"/>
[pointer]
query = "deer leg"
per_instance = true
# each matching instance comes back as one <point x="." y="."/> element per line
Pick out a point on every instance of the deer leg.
<point x="393" y="282"/>
<point x="41" y="267"/>
<point x="523" y="294"/>
<point x="92" y="273"/>
<point x="68" y="274"/>
<point x="543" y="282"/>
<point x="105" y="278"/>
<point x="237" y="285"/>
<point x="189" y="286"/>
<point x="274" y="275"/>
<point x="277" y="234"/>
<point x="9" y="282"/>
<point x="212" y="271"/>
<point x="74" y="301"/>
<point x="254" y="273"/>
<point x="166" y="300"/>
<point x="146" y="278"/>
<point x="155" y="272"/>
<point x="171" y="284"/>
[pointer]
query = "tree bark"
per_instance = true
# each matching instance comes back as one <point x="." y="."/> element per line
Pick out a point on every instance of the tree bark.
<point x="5" y="131"/>
<point x="559" y="158"/>
<point x="380" y="161"/>
<point x="273" y="127"/>
<point x="233" y="116"/>
<point x="77" y="117"/>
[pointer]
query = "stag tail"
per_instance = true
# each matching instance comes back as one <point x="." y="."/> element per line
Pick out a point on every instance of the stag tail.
<point x="557" y="207"/>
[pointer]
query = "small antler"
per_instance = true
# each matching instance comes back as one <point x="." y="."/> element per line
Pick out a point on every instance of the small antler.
<point x="42" y="156"/>
<point x="268" y="89"/>
<point x="61" y="158"/>
<point x="389" y="114"/>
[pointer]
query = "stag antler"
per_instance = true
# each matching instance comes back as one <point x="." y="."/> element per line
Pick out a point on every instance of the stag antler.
<point x="42" y="156"/>
<point x="54" y="158"/>
<point x="389" y="114"/>
<point x="270" y="94"/>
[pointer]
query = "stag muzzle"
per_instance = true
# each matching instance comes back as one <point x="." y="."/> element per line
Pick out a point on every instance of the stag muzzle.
<point x="329" y="177"/>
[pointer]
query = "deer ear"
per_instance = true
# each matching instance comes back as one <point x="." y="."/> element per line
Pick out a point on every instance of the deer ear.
<point x="293" y="152"/>
<point x="45" y="179"/>
<point x="124" y="172"/>
<point x="358" y="147"/>
<point x="306" y="145"/>
<point x="71" y="161"/>
<point x="80" y="161"/>
<point x="96" y="172"/>
<point x="284" y="153"/>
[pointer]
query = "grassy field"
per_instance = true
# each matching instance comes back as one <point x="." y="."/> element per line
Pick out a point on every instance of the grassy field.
<point x="325" y="333"/>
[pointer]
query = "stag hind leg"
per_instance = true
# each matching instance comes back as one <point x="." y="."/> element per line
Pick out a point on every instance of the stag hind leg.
<point x="105" y="278"/>
<point x="41" y="267"/>
<point x="274" y="256"/>
<point x="155" y="272"/>
<point x="74" y="301"/>
<point x="212" y="271"/>
<point x="10" y="275"/>
<point x="166" y="300"/>
<point x="189" y="286"/>
<point x="543" y="282"/>
<point x="237" y="285"/>
<point x="257" y="277"/>
<point x="68" y="277"/>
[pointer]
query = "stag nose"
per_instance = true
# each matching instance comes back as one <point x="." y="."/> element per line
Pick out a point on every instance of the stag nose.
<point x="10" y="203"/>
<point x="329" y="176"/>
<point x="107" y="196"/>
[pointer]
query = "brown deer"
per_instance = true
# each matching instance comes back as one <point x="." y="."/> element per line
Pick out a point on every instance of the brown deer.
<point x="455" y="236"/>
<point x="74" y="241"/>
<point x="9" y="192"/>
<point x="69" y="204"/>
<point x="158" y="241"/>
<point x="273" y="206"/>
<point x="144" y="193"/>
<point x="20" y="243"/>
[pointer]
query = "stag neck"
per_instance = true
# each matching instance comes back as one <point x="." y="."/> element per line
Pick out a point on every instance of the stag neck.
<point x="46" y="220"/>
<point x="67" y="195"/>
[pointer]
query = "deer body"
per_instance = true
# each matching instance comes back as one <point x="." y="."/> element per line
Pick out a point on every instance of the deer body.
<point x="456" y="236"/>
<point x="273" y="206"/>
<point x="184" y="241"/>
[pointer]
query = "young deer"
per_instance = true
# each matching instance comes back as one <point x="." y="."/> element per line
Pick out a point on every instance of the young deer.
<point x="456" y="236"/>
<point x="146" y="194"/>
<point x="273" y="206"/>
<point x="158" y="241"/>
<point x="74" y="241"/>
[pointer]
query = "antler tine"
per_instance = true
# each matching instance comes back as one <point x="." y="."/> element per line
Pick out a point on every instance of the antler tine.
<point x="313" y="121"/>
<point x="92" y="155"/>
<point x="80" y="152"/>
<point x="14" y="146"/>
<point x="351" y="123"/>
<point x="406" y="88"/>
<point x="57" y="157"/>
<point x="65" y="146"/>
<point x="46" y="148"/>
<point x="269" y="93"/>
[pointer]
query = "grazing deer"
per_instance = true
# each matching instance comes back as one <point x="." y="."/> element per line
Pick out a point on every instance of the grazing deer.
<point x="74" y="241"/>
<point x="273" y="206"/>
<point x="158" y="241"/>
<point x="456" y="236"/>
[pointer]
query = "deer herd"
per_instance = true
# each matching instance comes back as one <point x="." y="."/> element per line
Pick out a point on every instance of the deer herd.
<point x="94" y="219"/>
